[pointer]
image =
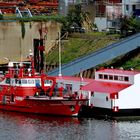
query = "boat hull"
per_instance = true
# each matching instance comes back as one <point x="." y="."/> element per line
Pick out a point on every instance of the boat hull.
<point x="63" y="107"/>
<point x="88" y="111"/>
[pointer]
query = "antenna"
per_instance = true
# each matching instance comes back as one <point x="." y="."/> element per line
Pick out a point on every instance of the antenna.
<point x="59" y="42"/>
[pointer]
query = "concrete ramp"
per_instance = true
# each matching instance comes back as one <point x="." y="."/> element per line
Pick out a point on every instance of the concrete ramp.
<point x="99" y="57"/>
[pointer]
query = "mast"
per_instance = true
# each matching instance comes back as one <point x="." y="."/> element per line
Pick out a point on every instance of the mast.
<point x="59" y="42"/>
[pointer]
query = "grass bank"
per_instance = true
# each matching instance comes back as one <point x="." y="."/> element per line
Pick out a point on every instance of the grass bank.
<point x="78" y="45"/>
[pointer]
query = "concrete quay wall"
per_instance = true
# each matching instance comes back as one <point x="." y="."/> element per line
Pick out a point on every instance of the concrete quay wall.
<point x="17" y="39"/>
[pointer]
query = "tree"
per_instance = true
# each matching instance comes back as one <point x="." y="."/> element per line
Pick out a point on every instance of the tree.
<point x="129" y="26"/>
<point x="1" y="17"/>
<point x="74" y="15"/>
<point x="73" y="18"/>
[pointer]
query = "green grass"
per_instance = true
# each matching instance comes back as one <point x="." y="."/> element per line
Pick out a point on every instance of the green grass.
<point x="81" y="44"/>
<point x="57" y="18"/>
<point x="132" y="63"/>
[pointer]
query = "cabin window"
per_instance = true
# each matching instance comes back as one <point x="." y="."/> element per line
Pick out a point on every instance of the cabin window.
<point x="69" y="87"/>
<point x="31" y="81"/>
<point x="7" y="80"/>
<point x="24" y="81"/>
<point x="115" y="77"/>
<point x="110" y="77"/>
<point x="126" y="79"/>
<point x="12" y="81"/>
<point x="100" y="76"/>
<point x="37" y="83"/>
<point x="105" y="76"/>
<point x="48" y="82"/>
<point x="19" y="81"/>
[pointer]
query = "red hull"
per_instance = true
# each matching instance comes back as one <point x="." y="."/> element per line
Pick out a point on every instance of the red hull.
<point x="44" y="106"/>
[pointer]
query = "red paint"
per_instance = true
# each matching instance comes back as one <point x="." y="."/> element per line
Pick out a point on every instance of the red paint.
<point x="61" y="91"/>
<point x="41" y="48"/>
<point x="118" y="71"/>
<point x="24" y="95"/>
<point x="81" y="96"/>
<point x="115" y="109"/>
<point x="105" y="87"/>
<point x="114" y="95"/>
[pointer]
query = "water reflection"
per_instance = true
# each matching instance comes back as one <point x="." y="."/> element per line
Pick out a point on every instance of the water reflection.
<point x="31" y="127"/>
<point x="16" y="126"/>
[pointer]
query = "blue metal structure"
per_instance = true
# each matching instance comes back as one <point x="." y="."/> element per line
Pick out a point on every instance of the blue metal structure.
<point x="99" y="57"/>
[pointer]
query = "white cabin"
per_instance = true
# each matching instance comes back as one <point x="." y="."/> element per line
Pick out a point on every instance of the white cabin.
<point x="72" y="84"/>
<point x="114" y="89"/>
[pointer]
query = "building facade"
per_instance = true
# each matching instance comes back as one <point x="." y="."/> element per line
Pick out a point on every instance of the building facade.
<point x="130" y="7"/>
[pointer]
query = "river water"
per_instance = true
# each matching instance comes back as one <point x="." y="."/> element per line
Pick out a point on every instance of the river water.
<point x="17" y="126"/>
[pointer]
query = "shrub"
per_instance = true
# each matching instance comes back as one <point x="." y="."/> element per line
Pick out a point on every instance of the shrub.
<point x="1" y="16"/>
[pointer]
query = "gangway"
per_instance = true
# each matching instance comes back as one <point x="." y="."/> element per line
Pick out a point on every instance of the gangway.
<point x="99" y="57"/>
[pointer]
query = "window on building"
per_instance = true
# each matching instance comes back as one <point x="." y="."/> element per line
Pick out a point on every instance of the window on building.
<point x="133" y="7"/>
<point x="110" y="77"/>
<point x="127" y="8"/>
<point x="105" y="76"/>
<point x="126" y="79"/>
<point x="100" y="76"/>
<point x="115" y="77"/>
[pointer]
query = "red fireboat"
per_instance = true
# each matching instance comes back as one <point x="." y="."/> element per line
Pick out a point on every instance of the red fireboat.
<point x="24" y="90"/>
